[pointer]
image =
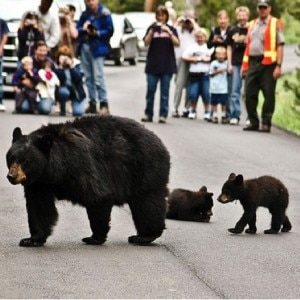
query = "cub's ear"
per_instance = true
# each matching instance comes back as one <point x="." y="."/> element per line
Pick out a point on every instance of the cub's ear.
<point x="209" y="195"/>
<point x="239" y="179"/>
<point x="203" y="189"/>
<point x="231" y="176"/>
<point x="45" y="143"/>
<point x="17" y="133"/>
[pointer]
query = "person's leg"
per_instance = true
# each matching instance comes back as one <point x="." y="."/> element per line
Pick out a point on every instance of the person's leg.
<point x="45" y="106"/>
<point x="268" y="86"/>
<point x="62" y="96"/>
<point x="78" y="107"/>
<point x="152" y="81"/>
<point x="236" y="93"/>
<point x="252" y="86"/>
<point x="100" y="83"/>
<point x="88" y="70"/>
<point x="205" y="94"/>
<point x="179" y="85"/>
<point x="165" y="80"/>
<point x="2" y="107"/>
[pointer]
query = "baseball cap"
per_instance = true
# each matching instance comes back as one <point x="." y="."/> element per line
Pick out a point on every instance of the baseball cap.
<point x="265" y="3"/>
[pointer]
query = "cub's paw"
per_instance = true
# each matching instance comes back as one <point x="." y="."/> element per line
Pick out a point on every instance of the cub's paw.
<point x="92" y="241"/>
<point x="29" y="242"/>
<point x="286" y="229"/>
<point x="234" y="230"/>
<point x="270" y="231"/>
<point x="250" y="231"/>
<point x="141" y="240"/>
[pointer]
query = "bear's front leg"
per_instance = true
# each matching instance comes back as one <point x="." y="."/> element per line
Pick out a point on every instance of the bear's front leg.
<point x="42" y="215"/>
<point x="241" y="224"/>
<point x="99" y="216"/>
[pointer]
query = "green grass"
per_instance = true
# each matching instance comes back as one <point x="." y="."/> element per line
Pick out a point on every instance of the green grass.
<point x="287" y="115"/>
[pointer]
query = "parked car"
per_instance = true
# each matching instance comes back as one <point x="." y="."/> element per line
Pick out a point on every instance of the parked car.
<point x="123" y="42"/>
<point x="12" y="11"/>
<point x="140" y="22"/>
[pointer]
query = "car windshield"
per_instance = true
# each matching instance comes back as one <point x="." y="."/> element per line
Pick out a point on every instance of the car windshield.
<point x="141" y="20"/>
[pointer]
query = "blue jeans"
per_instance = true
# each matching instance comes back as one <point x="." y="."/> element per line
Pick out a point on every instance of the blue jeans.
<point x="63" y="94"/>
<point x="44" y="106"/>
<point x="152" y="81"/>
<point x="93" y="69"/>
<point x="198" y="88"/>
<point x="235" y="107"/>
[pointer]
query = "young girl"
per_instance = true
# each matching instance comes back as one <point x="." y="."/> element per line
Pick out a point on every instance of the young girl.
<point x="199" y="56"/>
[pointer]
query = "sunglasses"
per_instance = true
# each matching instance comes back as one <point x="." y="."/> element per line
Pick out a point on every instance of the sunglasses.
<point x="262" y="7"/>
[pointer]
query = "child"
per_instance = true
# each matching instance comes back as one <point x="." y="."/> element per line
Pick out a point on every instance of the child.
<point x="24" y="82"/>
<point x="49" y="82"/>
<point x="198" y="55"/>
<point x="218" y="84"/>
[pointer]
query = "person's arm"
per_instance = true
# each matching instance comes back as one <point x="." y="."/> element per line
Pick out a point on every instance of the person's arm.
<point x="277" y="70"/>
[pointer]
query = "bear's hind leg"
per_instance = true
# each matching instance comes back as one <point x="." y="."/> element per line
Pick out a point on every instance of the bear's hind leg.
<point x="286" y="224"/>
<point x="99" y="216"/>
<point x="277" y="218"/>
<point x="148" y="213"/>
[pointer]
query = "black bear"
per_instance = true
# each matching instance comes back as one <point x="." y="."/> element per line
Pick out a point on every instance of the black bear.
<point x="186" y="205"/>
<point x="265" y="191"/>
<point x="96" y="162"/>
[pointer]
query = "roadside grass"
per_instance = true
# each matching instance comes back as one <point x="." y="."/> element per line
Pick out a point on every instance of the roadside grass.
<point x="287" y="115"/>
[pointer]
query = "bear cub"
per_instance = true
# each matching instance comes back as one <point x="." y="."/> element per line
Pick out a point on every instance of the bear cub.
<point x="96" y="162"/>
<point x="265" y="191"/>
<point x="186" y="205"/>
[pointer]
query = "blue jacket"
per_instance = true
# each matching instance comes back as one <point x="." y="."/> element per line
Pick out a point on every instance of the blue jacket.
<point x="104" y="25"/>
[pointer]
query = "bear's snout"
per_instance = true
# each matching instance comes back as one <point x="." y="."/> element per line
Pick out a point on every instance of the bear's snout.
<point x="15" y="174"/>
<point x="223" y="198"/>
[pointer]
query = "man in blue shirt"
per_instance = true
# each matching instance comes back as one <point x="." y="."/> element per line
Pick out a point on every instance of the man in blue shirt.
<point x="95" y="28"/>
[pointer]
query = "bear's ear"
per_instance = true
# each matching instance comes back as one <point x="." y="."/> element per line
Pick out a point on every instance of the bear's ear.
<point x="239" y="179"/>
<point x="203" y="189"/>
<point x="45" y="143"/>
<point x="17" y="133"/>
<point x="209" y="195"/>
<point x="231" y="176"/>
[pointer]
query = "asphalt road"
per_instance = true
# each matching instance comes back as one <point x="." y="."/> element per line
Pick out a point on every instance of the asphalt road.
<point x="190" y="260"/>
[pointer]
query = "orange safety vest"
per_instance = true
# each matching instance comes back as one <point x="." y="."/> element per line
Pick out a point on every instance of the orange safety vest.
<point x="270" y="46"/>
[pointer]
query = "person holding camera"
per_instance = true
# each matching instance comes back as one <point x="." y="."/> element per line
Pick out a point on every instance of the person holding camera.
<point x="186" y="27"/>
<point x="95" y="28"/>
<point x="29" y="33"/>
<point x="160" y="63"/>
<point x="71" y="85"/>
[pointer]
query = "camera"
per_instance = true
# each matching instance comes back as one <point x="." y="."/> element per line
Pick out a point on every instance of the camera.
<point x="91" y="27"/>
<point x="157" y="27"/>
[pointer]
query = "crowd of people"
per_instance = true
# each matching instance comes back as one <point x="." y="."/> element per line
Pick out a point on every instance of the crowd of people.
<point x="215" y="66"/>
<point x="55" y="53"/>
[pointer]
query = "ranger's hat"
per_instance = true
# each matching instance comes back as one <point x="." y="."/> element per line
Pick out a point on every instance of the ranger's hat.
<point x="265" y="3"/>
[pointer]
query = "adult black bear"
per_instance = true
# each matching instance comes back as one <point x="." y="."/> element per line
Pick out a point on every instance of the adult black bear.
<point x="186" y="205"/>
<point x="264" y="191"/>
<point x="96" y="162"/>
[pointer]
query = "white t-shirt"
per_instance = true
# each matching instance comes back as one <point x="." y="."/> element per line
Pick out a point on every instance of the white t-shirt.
<point x="199" y="51"/>
<point x="218" y="83"/>
<point x="51" y="84"/>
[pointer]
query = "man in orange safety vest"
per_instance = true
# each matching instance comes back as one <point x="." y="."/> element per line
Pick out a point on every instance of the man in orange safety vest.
<point x="262" y="65"/>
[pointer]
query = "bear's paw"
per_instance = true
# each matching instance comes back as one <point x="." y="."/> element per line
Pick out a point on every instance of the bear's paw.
<point x="91" y="241"/>
<point x="235" y="230"/>
<point x="141" y="240"/>
<point x="29" y="242"/>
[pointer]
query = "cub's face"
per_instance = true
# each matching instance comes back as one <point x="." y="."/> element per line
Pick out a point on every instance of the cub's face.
<point x="207" y="204"/>
<point x="25" y="161"/>
<point x="231" y="189"/>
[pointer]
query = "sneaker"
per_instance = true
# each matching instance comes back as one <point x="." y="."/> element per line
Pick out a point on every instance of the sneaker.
<point x="234" y="121"/>
<point x="2" y="107"/>
<point x="162" y="120"/>
<point x="92" y="109"/>
<point x="104" y="110"/>
<point x="185" y="113"/>
<point x="207" y="116"/>
<point x="146" y="119"/>
<point x="215" y="120"/>
<point x="224" y="120"/>
<point x="175" y="114"/>
<point x="192" y="115"/>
